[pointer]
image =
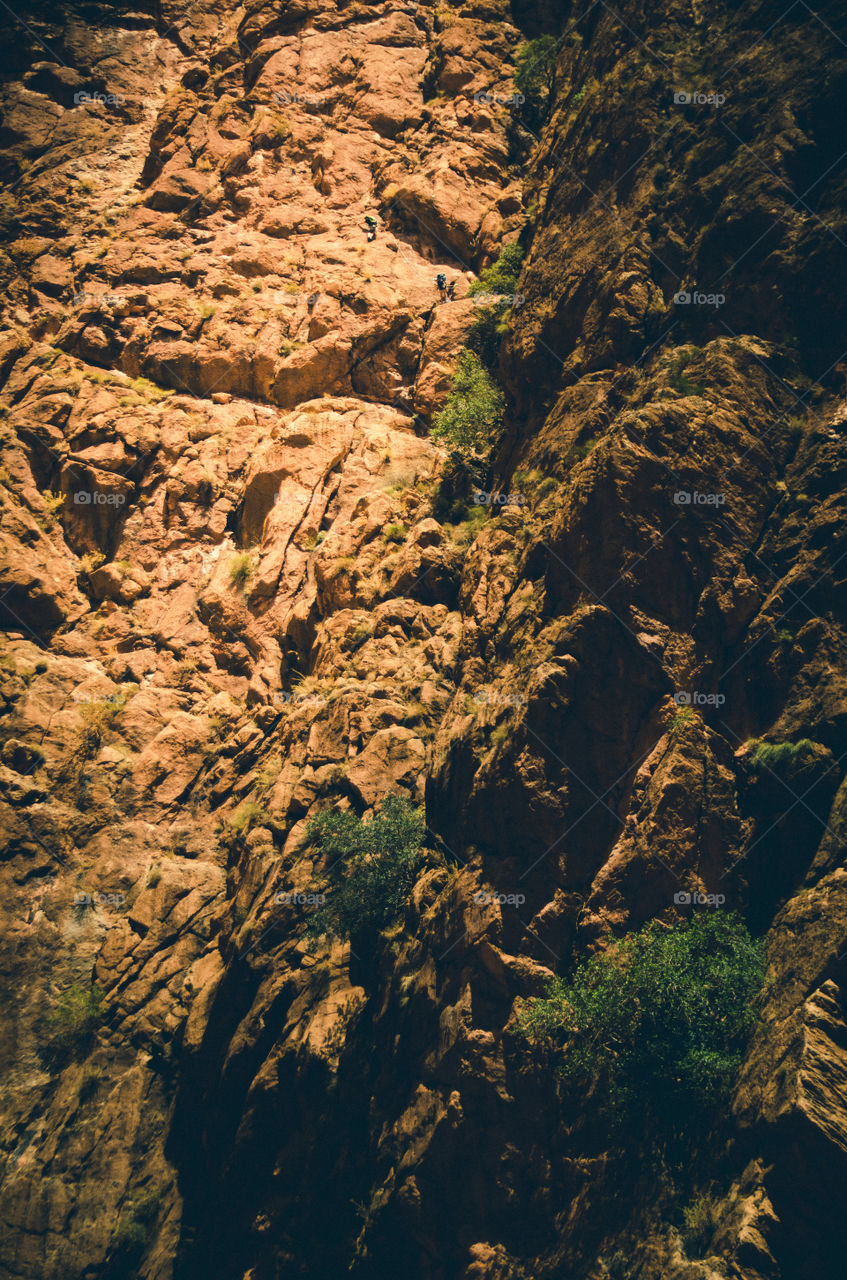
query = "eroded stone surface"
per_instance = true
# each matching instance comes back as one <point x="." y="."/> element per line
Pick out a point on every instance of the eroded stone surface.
<point x="230" y="597"/>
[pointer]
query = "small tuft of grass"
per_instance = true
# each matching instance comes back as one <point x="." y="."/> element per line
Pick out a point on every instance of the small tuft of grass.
<point x="701" y="1221"/>
<point x="91" y="560"/>
<point x="362" y="633"/>
<point x="779" y="756"/>
<point x="682" y="716"/>
<point x="677" y="378"/>
<point x="246" y="815"/>
<point x="53" y="501"/>
<point x="70" y="1027"/>
<point x="240" y="569"/>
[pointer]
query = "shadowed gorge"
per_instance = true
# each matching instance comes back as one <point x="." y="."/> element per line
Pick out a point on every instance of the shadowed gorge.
<point x="422" y="640"/>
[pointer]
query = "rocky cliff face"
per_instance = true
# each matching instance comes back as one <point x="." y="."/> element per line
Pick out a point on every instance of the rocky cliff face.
<point x="232" y="596"/>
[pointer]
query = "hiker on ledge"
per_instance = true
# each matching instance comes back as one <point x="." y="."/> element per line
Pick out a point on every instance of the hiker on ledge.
<point x="441" y="286"/>
<point x="370" y="226"/>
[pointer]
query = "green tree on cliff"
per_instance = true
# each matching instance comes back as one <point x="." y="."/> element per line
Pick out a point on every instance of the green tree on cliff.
<point x="473" y="414"/>
<point x="372" y="867"/>
<point x="535" y="66"/>
<point x="653" y="1027"/>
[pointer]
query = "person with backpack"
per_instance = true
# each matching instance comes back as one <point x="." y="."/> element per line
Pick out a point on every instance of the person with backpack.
<point x="370" y="227"/>
<point x="441" y="286"/>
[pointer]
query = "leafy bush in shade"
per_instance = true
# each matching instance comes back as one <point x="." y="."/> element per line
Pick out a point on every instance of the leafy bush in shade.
<point x="473" y="414"/>
<point x="502" y="276"/>
<point x="372" y="867"/>
<point x="535" y="66"/>
<point x="498" y="284"/>
<point x="656" y="1023"/>
<point x="70" y="1027"/>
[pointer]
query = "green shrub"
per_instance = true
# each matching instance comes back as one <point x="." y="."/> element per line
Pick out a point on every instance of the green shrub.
<point x="473" y="413"/>
<point x="680" y="718"/>
<point x="70" y="1027"/>
<point x="465" y="531"/>
<point x="778" y="756"/>
<point x="701" y="1221"/>
<point x="535" y="66"/>
<point x="373" y="865"/>
<point x="278" y="131"/>
<point x="490" y="322"/>
<point x="502" y="275"/>
<point x="395" y="533"/>
<point x="135" y="1229"/>
<point x="578" y="452"/>
<point x="269" y="772"/>
<point x="97" y="719"/>
<point x="677" y="378"/>
<point x="240" y="569"/>
<point x="245" y="815"/>
<point x="53" y="501"/>
<point x="91" y="560"/>
<point x="362" y="634"/>
<point x="655" y="1024"/>
<point x="452" y="499"/>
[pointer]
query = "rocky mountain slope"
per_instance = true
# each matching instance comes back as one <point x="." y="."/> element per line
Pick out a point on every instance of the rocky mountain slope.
<point x="240" y="585"/>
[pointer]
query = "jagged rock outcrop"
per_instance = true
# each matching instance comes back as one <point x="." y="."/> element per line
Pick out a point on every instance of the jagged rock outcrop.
<point x="233" y="593"/>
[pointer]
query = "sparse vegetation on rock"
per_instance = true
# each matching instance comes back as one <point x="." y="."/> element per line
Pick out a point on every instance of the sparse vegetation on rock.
<point x="655" y="1025"/>
<point x="471" y="419"/>
<point x="438" y="515"/>
<point x="70" y="1026"/>
<point x="373" y="867"/>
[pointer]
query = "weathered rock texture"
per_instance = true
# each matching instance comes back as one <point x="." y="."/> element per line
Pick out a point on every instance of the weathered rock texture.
<point x="227" y="603"/>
